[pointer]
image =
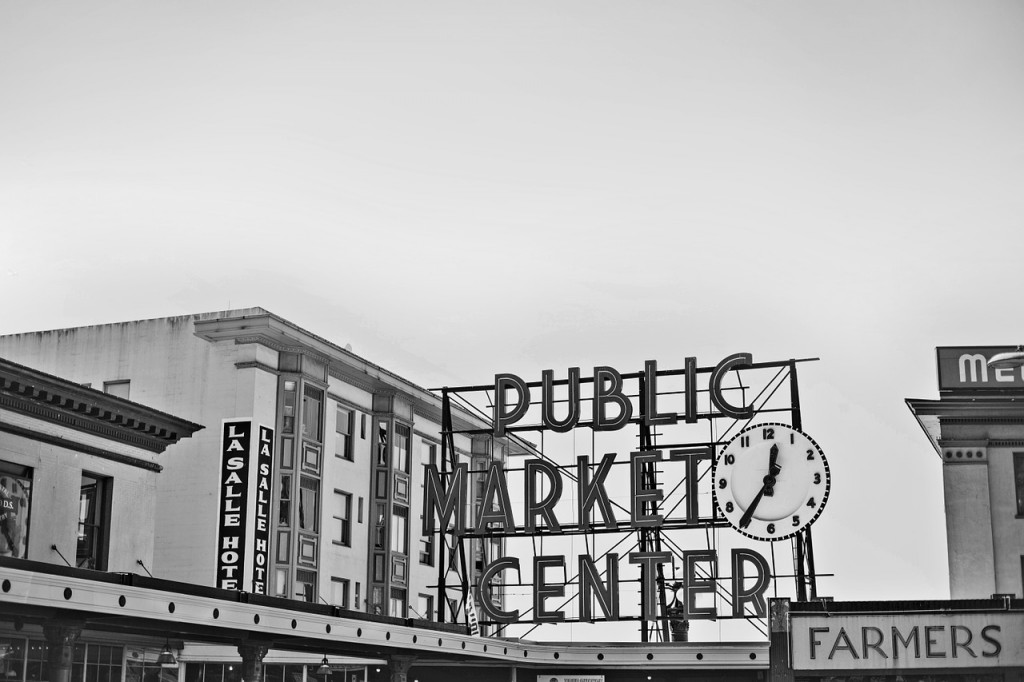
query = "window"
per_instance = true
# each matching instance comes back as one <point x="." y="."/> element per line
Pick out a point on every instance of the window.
<point x="427" y="549"/>
<point x="1018" y="478"/>
<point x="339" y="592"/>
<point x="36" y="664"/>
<point x="15" y="503"/>
<point x="98" y="662"/>
<point x="284" y="502"/>
<point x="343" y="518"/>
<point x="343" y="434"/>
<point x="305" y="585"/>
<point x="397" y="605"/>
<point x="117" y="388"/>
<point x="400" y="530"/>
<point x="402" y="447"/>
<point x="382" y="443"/>
<point x="197" y="672"/>
<point x="428" y="456"/>
<point x="312" y="412"/>
<point x="289" y="407"/>
<point x="12" y="662"/>
<point x="381" y="527"/>
<point x="283" y="546"/>
<point x="362" y="426"/>
<point x="457" y="615"/>
<point x="377" y="600"/>
<point x="309" y="504"/>
<point x="93" y="522"/>
<point x="281" y="580"/>
<point x="272" y="672"/>
<point x="425" y="606"/>
<point x="357" y="604"/>
<point x="286" y="453"/>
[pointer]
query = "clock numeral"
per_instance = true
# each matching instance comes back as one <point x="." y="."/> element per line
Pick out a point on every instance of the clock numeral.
<point x="771" y="529"/>
<point x="810" y="455"/>
<point x="811" y="503"/>
<point x="744" y="441"/>
<point x="729" y="507"/>
<point x="722" y="483"/>
<point x="792" y="438"/>
<point x="768" y="434"/>
<point x="729" y="459"/>
<point x="817" y="478"/>
<point x="796" y="520"/>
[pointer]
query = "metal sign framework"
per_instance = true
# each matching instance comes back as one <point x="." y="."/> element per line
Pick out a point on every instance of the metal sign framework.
<point x="769" y="388"/>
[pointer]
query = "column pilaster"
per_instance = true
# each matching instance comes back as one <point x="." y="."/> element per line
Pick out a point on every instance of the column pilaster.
<point x="61" y="637"/>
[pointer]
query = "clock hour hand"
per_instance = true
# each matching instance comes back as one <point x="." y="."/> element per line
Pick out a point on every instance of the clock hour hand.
<point x="773" y="470"/>
<point x="767" y="489"/>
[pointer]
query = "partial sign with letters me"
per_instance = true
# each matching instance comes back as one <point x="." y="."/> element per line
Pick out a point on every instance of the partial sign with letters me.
<point x="965" y="368"/>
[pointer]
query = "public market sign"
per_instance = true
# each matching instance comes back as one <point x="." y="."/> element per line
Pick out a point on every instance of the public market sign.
<point x="446" y="495"/>
<point x="907" y="641"/>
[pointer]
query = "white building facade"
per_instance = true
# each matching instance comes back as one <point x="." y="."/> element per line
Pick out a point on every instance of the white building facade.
<point x="977" y="429"/>
<point x="349" y="443"/>
<point x="79" y="471"/>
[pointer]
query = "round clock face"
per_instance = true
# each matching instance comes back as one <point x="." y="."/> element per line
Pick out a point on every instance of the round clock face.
<point x="771" y="481"/>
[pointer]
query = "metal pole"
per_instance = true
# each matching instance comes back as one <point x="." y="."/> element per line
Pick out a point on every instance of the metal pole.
<point x="440" y="534"/>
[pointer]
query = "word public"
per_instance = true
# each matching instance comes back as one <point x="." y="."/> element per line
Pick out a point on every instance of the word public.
<point x="608" y="391"/>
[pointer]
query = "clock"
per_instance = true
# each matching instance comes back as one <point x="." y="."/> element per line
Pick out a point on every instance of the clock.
<point x="771" y="481"/>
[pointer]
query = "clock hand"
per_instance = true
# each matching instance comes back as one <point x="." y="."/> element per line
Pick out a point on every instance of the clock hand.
<point x="767" y="489"/>
<point x="773" y="470"/>
<point x="749" y="514"/>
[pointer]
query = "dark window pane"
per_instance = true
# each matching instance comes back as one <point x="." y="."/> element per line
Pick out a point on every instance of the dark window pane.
<point x="1018" y="476"/>
<point x="194" y="672"/>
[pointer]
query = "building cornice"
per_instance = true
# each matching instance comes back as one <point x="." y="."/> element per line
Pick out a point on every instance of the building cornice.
<point x="58" y="401"/>
<point x="264" y="328"/>
<point x="931" y="415"/>
<point x="50" y="439"/>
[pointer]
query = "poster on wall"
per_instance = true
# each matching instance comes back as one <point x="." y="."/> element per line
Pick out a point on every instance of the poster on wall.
<point x="15" y="496"/>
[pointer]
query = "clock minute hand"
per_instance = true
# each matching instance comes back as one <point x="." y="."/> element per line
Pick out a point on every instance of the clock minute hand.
<point x="749" y="514"/>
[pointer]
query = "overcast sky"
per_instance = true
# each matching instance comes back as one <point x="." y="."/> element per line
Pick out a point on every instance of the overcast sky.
<point x="463" y="188"/>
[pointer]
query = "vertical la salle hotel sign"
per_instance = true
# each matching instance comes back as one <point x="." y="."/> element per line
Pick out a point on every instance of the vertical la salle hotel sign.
<point x="243" y="538"/>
